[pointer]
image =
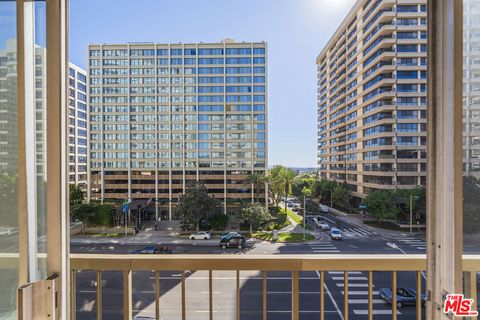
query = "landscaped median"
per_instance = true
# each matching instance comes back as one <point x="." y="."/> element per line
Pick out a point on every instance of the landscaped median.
<point x="297" y="218"/>
<point x="283" y="236"/>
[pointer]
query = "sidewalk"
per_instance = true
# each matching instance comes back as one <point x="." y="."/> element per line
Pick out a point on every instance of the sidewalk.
<point x="294" y="227"/>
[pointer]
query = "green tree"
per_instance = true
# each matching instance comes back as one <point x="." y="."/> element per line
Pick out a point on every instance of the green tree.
<point x="195" y="204"/>
<point x="323" y="190"/>
<point x="418" y="195"/>
<point x="76" y="195"/>
<point x="341" y="197"/>
<point x="256" y="215"/>
<point x="276" y="188"/>
<point x="257" y="179"/>
<point x="286" y="176"/>
<point x="301" y="182"/>
<point x="380" y="205"/>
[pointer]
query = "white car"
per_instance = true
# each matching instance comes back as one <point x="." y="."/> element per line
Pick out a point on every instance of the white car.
<point x="335" y="234"/>
<point x="322" y="225"/>
<point x="201" y="235"/>
<point x="5" y="232"/>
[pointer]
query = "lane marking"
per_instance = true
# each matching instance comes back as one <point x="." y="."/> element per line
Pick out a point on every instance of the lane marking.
<point x="331" y="297"/>
<point x="353" y="285"/>
<point x="359" y="293"/>
<point x="362" y="301"/>
<point x="375" y="312"/>
<point x="350" y="278"/>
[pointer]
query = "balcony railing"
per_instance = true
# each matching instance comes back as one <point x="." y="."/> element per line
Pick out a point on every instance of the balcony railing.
<point x="294" y="264"/>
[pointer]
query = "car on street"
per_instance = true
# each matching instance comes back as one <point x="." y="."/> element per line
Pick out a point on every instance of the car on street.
<point x="153" y="250"/>
<point x="231" y="234"/>
<point x="5" y="232"/>
<point x="322" y="225"/>
<point x="233" y="241"/>
<point x="405" y="296"/>
<point x="201" y="235"/>
<point x="335" y="234"/>
<point x="295" y="206"/>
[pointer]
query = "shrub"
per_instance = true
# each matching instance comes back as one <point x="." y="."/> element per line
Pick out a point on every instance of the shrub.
<point x="218" y="221"/>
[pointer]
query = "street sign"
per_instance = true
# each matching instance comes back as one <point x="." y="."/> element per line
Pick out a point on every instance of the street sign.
<point x="362" y="206"/>
<point x="125" y="208"/>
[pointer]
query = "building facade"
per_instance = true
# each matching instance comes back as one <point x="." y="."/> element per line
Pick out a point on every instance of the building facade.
<point x="77" y="126"/>
<point x="372" y="98"/>
<point x="164" y="115"/>
<point x="471" y="88"/>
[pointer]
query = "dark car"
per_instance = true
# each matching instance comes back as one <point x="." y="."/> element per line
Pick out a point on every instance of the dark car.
<point x="153" y="250"/>
<point x="405" y="296"/>
<point x="232" y="241"/>
<point x="227" y="236"/>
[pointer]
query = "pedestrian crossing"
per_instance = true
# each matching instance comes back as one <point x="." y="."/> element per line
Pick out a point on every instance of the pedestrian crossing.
<point x="357" y="232"/>
<point x="358" y="293"/>
<point x="416" y="243"/>
<point x="323" y="247"/>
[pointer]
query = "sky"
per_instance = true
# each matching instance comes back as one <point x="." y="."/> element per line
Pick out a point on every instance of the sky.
<point x="296" y="31"/>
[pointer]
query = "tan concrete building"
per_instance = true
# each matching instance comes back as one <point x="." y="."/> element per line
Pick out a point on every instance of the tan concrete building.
<point x="471" y="87"/>
<point x="372" y="97"/>
<point x="162" y="115"/>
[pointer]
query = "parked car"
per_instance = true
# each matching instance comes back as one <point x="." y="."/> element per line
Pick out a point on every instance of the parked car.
<point x="323" y="225"/>
<point x="405" y="296"/>
<point x="202" y="235"/>
<point x="5" y="232"/>
<point x="335" y="234"/>
<point x="153" y="250"/>
<point x="232" y="242"/>
<point x="324" y="209"/>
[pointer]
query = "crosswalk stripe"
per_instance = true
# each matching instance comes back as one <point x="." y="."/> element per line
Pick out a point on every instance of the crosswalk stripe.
<point x="326" y="251"/>
<point x="341" y="272"/>
<point x="353" y="285"/>
<point x="349" y="278"/>
<point x="359" y="293"/>
<point x="361" y="301"/>
<point x="375" y="312"/>
<point x="325" y="246"/>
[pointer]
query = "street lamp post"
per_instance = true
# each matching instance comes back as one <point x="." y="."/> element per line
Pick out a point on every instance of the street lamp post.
<point x="411" y="212"/>
<point x="304" y="216"/>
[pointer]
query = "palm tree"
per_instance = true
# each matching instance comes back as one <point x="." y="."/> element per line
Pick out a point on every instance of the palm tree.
<point x="257" y="179"/>
<point x="287" y="175"/>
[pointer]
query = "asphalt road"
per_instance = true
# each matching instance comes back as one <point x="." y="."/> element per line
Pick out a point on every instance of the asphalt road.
<point x="224" y="295"/>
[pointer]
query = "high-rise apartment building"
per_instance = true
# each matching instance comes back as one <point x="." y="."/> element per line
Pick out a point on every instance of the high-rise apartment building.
<point x="372" y="97"/>
<point x="163" y="115"/>
<point x="77" y="99"/>
<point x="471" y="87"/>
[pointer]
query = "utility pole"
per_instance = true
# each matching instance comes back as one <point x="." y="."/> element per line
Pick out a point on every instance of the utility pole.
<point x="411" y="214"/>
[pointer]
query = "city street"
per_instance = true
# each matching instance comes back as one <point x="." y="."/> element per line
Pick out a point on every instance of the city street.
<point x="356" y="240"/>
